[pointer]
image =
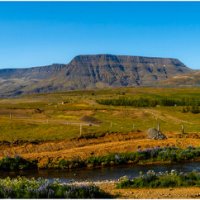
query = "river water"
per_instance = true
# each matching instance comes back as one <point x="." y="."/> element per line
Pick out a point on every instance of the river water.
<point x="102" y="174"/>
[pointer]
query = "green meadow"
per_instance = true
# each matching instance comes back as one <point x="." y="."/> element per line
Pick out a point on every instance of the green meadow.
<point x="68" y="115"/>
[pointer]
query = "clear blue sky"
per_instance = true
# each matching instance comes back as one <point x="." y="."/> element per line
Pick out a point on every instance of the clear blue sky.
<point x="40" y="33"/>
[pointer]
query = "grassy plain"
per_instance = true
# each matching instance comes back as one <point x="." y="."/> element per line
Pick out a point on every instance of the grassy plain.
<point x="58" y="116"/>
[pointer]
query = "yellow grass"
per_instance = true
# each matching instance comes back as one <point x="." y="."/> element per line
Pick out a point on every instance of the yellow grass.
<point x="161" y="193"/>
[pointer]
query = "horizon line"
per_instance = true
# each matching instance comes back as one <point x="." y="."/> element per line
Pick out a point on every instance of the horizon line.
<point x="98" y="54"/>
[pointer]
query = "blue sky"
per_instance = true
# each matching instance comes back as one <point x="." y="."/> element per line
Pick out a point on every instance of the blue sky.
<point x="40" y="33"/>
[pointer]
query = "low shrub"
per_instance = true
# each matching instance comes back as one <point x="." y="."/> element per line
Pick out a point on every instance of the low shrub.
<point x="166" y="179"/>
<point x="16" y="163"/>
<point x="42" y="188"/>
<point x="68" y="164"/>
<point x="193" y="109"/>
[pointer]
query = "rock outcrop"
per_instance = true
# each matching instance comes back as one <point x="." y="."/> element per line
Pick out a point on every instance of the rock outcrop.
<point x="155" y="134"/>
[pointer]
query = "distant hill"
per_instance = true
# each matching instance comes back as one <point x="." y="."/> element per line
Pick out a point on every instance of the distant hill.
<point x="189" y="79"/>
<point x="90" y="71"/>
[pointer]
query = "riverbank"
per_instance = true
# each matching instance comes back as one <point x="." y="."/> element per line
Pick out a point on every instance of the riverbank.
<point x="49" y="154"/>
<point x="24" y="188"/>
<point x="96" y="189"/>
<point x="144" y="193"/>
<point x="149" y="156"/>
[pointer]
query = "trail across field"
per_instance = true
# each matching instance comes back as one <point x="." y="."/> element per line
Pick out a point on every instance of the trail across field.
<point x="160" y="115"/>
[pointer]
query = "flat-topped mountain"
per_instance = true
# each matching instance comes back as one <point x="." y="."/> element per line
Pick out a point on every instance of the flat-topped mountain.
<point x="124" y="70"/>
<point x="90" y="71"/>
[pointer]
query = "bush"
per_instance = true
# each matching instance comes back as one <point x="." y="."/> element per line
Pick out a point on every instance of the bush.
<point x="42" y="188"/>
<point x="68" y="164"/>
<point x="154" y="180"/>
<point x="193" y="109"/>
<point x="17" y="163"/>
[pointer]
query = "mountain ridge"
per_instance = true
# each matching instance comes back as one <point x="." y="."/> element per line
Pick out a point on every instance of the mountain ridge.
<point x="90" y="71"/>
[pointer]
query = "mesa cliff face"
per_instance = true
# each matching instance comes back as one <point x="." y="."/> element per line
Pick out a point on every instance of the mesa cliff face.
<point x="123" y="70"/>
<point x="90" y="71"/>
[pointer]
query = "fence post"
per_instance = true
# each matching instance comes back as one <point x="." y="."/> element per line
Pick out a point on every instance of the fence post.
<point x="158" y="127"/>
<point x="182" y="129"/>
<point x="80" y="129"/>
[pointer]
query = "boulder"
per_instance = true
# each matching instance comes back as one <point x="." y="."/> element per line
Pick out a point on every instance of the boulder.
<point x="155" y="134"/>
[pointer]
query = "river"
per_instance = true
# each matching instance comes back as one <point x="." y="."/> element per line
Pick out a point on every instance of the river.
<point x="102" y="174"/>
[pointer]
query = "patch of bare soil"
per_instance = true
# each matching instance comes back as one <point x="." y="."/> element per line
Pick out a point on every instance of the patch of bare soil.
<point x="160" y="193"/>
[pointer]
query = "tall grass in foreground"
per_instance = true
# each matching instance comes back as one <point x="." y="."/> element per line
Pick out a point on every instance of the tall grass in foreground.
<point x="42" y="188"/>
<point x="161" y="179"/>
